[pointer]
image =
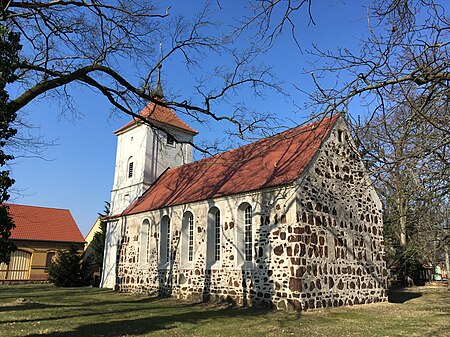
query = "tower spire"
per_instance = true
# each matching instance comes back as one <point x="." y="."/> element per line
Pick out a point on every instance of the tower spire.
<point x="158" y="92"/>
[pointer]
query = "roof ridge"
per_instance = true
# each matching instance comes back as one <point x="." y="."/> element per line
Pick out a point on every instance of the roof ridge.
<point x="151" y="111"/>
<point x="45" y="207"/>
<point x="253" y="143"/>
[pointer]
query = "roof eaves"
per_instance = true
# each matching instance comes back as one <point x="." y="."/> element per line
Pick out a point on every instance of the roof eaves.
<point x="42" y="240"/>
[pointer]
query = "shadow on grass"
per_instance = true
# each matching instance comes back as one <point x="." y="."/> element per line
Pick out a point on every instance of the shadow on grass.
<point x="28" y="306"/>
<point x="70" y="308"/>
<point x="400" y="295"/>
<point x="145" y="325"/>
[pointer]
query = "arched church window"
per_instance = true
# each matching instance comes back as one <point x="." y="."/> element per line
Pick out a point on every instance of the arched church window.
<point x="187" y="238"/>
<point x="217" y="235"/>
<point x="164" y="251"/>
<point x="248" y="236"/>
<point x="144" y="255"/>
<point x="244" y="233"/>
<point x="213" y="236"/>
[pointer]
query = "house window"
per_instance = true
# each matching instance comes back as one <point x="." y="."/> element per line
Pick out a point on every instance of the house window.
<point x="170" y="140"/>
<point x="213" y="237"/>
<point x="165" y="240"/>
<point x="130" y="169"/>
<point x="187" y="238"/>
<point x="248" y="233"/>
<point x="49" y="260"/>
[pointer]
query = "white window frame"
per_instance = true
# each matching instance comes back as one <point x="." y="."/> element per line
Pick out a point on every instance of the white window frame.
<point x="240" y="237"/>
<point x="144" y="248"/>
<point x="214" y="239"/>
<point x="165" y="258"/>
<point x="187" y="251"/>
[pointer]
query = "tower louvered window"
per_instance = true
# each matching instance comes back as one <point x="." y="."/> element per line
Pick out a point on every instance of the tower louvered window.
<point x="130" y="169"/>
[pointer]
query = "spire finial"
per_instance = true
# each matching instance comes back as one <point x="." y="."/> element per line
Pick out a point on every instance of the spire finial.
<point x="158" y="92"/>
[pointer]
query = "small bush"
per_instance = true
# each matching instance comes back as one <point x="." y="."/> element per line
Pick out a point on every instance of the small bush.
<point x="69" y="269"/>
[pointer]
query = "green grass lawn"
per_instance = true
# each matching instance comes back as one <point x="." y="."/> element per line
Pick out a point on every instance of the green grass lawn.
<point x="43" y="310"/>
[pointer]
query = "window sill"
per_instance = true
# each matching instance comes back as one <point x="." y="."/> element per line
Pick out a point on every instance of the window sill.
<point x="187" y="266"/>
<point x="248" y="265"/>
<point x="214" y="266"/>
<point x="144" y="267"/>
<point x="164" y="266"/>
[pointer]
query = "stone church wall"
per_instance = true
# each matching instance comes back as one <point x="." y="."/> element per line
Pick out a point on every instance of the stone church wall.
<point x="337" y="243"/>
<point x="317" y="243"/>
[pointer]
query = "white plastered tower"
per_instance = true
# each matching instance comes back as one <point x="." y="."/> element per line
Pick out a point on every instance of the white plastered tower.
<point x="145" y="152"/>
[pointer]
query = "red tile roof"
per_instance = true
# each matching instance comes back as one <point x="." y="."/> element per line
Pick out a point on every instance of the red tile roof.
<point x="44" y="224"/>
<point x="160" y="115"/>
<point x="273" y="161"/>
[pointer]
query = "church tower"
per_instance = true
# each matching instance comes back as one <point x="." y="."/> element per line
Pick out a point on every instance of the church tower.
<point x="145" y="152"/>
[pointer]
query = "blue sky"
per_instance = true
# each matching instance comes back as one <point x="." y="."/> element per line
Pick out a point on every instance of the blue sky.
<point x="77" y="174"/>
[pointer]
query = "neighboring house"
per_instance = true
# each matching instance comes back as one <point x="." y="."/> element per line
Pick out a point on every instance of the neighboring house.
<point x="88" y="250"/>
<point x="290" y="221"/>
<point x="39" y="233"/>
<point x="95" y="269"/>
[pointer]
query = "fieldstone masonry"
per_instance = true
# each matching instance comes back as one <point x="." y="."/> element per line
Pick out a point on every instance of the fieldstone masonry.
<point x="317" y="243"/>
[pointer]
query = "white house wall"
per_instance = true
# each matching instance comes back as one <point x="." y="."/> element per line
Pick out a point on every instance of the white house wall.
<point x="109" y="272"/>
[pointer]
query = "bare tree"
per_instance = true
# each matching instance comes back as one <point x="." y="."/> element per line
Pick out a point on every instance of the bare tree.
<point x="86" y="43"/>
<point x="413" y="190"/>
<point x="401" y="75"/>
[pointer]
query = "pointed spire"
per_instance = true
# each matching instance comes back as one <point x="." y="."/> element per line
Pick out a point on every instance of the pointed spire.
<point x="158" y="92"/>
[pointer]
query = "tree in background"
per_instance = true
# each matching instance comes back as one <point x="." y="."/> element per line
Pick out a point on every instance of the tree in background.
<point x="9" y="49"/>
<point x="403" y="156"/>
<point x="70" y="269"/>
<point x="98" y="242"/>
<point x="399" y="74"/>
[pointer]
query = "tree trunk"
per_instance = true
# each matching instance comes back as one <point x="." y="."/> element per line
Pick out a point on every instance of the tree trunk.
<point x="402" y="221"/>
<point x="447" y="265"/>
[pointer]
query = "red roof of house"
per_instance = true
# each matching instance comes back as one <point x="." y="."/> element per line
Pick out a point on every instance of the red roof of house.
<point x="161" y="115"/>
<point x="270" y="162"/>
<point x="44" y="224"/>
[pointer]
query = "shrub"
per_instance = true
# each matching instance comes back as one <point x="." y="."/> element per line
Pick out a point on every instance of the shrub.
<point x="69" y="269"/>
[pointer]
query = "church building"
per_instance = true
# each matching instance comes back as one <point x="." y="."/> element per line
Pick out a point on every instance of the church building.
<point x="291" y="221"/>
